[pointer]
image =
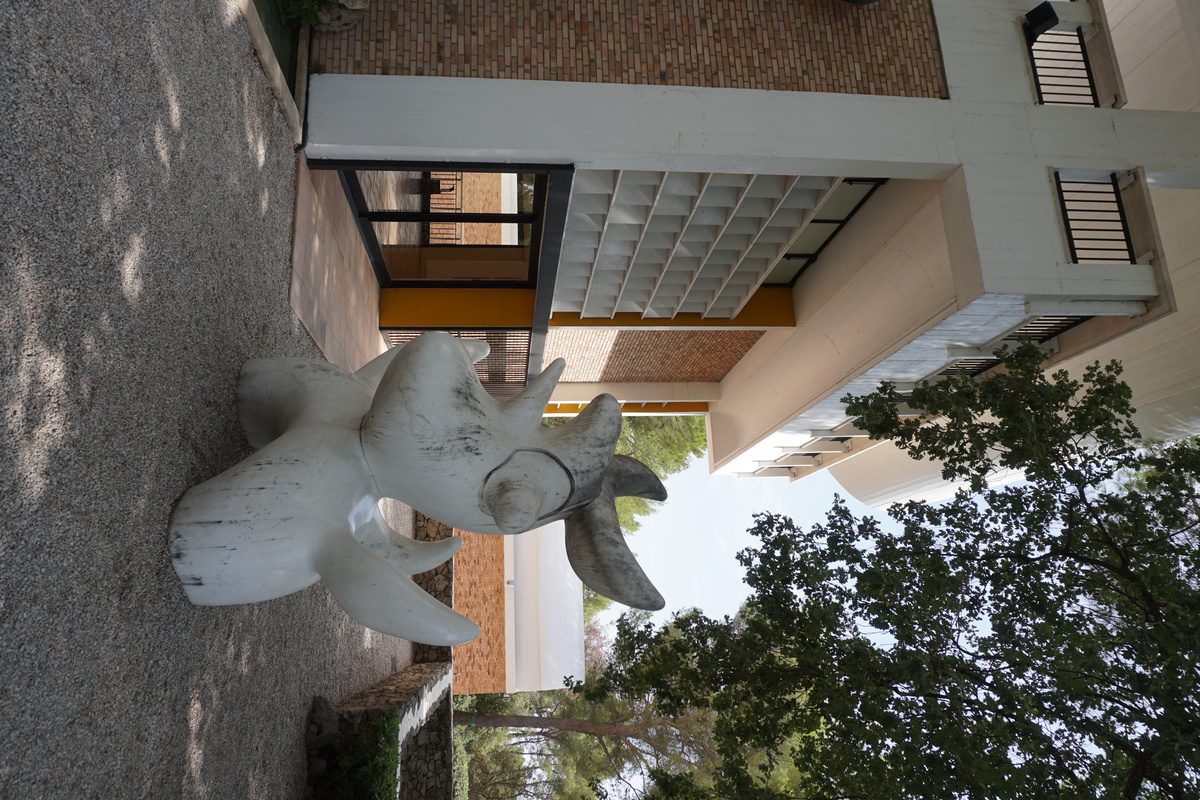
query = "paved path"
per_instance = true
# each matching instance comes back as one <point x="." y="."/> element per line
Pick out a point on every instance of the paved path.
<point x="146" y="187"/>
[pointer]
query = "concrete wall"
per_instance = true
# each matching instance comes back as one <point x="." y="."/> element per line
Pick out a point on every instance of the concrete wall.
<point x="884" y="280"/>
<point x="544" y="610"/>
<point x="1000" y="244"/>
<point x="1158" y="51"/>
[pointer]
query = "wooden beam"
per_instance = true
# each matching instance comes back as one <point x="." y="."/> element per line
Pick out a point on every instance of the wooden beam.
<point x="640" y="409"/>
<point x="456" y="308"/>
<point x="770" y="308"/>
<point x="638" y="391"/>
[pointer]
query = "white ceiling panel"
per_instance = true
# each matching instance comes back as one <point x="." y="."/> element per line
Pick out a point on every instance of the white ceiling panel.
<point x="664" y="243"/>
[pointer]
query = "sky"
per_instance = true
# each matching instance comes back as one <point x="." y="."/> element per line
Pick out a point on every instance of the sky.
<point x="689" y="547"/>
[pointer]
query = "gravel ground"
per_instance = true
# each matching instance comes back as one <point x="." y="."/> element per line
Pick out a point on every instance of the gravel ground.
<point x="146" y="182"/>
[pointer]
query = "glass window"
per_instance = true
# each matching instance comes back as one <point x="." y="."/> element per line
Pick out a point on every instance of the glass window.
<point x="453" y="226"/>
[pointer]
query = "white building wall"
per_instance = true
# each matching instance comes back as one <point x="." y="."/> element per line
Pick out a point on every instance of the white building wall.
<point x="544" y="636"/>
<point x="1158" y="50"/>
<point x="1159" y="53"/>
<point x="1002" y="236"/>
<point x="885" y="474"/>
<point x="884" y="280"/>
<point x="610" y="126"/>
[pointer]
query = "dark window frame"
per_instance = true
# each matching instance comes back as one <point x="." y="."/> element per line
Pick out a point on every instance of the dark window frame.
<point x="553" y="186"/>
<point x="551" y="198"/>
<point x="811" y="258"/>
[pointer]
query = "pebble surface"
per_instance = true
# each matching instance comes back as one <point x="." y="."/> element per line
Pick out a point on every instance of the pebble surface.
<point x="147" y="187"/>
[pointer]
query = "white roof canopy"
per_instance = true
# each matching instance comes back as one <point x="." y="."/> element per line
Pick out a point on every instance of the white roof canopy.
<point x="661" y="243"/>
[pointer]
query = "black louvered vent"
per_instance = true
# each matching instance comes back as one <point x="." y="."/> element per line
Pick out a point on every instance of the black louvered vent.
<point x="1061" y="69"/>
<point x="1041" y="329"/>
<point x="1097" y="227"/>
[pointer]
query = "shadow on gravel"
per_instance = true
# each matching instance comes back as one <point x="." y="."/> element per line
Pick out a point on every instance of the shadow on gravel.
<point x="148" y="191"/>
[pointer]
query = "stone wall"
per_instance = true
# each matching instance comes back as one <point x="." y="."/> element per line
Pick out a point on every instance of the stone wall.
<point x="427" y="758"/>
<point x="887" y="48"/>
<point x="420" y="694"/>
<point x="397" y="691"/>
<point x="438" y="582"/>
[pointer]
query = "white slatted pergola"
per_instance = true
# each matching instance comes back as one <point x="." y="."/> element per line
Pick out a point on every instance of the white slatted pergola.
<point x="662" y="243"/>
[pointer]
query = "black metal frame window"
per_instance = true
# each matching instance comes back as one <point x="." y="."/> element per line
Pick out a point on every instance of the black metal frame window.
<point x="1038" y="329"/>
<point x="413" y="214"/>
<point x="1098" y="232"/>
<point x="846" y="201"/>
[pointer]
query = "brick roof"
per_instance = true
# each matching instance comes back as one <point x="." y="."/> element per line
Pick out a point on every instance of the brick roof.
<point x="653" y="356"/>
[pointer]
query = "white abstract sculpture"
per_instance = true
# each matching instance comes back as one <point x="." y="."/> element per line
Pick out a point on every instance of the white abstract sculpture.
<point x="415" y="425"/>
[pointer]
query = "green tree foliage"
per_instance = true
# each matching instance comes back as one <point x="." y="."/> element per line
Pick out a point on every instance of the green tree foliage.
<point x="555" y="744"/>
<point x="593" y="604"/>
<point x="665" y="444"/>
<point x="366" y="762"/>
<point x="558" y="745"/>
<point x="526" y="195"/>
<point x="302" y="12"/>
<point x="495" y="766"/>
<point x="1040" y="640"/>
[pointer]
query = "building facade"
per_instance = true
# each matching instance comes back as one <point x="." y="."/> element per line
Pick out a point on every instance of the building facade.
<point x="685" y="196"/>
<point x="749" y="211"/>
